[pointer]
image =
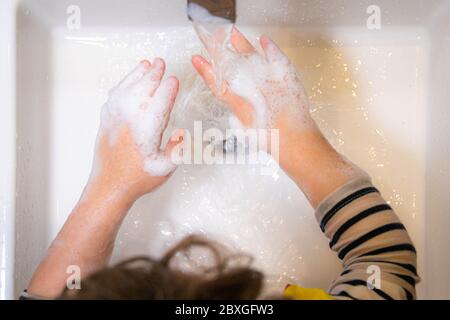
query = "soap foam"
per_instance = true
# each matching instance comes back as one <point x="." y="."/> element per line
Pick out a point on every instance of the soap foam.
<point x="132" y="104"/>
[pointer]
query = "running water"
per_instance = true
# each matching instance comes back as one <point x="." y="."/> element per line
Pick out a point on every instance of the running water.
<point x="267" y="81"/>
<point x="215" y="33"/>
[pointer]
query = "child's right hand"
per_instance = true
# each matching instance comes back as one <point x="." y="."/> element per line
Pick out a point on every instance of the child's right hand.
<point x="263" y="91"/>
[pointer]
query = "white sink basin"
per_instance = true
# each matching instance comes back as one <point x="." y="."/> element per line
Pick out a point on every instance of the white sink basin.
<point x="380" y="95"/>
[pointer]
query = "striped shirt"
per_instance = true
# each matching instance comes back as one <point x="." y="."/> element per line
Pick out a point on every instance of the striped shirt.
<point x="370" y="240"/>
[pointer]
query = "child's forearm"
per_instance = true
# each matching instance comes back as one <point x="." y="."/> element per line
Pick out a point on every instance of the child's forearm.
<point x="314" y="165"/>
<point x="362" y="228"/>
<point x="86" y="240"/>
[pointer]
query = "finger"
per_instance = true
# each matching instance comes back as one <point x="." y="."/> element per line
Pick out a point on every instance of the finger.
<point x="163" y="101"/>
<point x="240" y="107"/>
<point x="205" y="70"/>
<point x="174" y="144"/>
<point x="137" y="73"/>
<point x="164" y="97"/>
<point x="152" y="79"/>
<point x="240" y="42"/>
<point x="273" y="54"/>
<point x="237" y="104"/>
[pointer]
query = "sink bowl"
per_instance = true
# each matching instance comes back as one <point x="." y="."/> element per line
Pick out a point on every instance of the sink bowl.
<point x="378" y="91"/>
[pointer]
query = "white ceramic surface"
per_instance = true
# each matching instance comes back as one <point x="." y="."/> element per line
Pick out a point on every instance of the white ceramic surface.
<point x="381" y="96"/>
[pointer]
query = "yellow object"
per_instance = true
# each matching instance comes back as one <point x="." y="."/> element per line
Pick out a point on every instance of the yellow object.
<point x="300" y="293"/>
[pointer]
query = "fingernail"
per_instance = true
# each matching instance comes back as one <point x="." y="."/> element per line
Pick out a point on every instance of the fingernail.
<point x="177" y="135"/>
<point x="158" y="61"/>
<point x="146" y="63"/>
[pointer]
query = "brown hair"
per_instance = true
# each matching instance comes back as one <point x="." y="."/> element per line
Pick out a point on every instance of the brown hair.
<point x="146" y="278"/>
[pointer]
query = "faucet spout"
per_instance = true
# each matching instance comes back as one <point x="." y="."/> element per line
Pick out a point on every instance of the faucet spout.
<point x="225" y="9"/>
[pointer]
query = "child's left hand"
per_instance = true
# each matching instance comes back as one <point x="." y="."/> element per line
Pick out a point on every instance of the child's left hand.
<point x="128" y="155"/>
<point x="128" y="163"/>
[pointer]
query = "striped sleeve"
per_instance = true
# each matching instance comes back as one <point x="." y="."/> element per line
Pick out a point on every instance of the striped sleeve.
<point x="377" y="254"/>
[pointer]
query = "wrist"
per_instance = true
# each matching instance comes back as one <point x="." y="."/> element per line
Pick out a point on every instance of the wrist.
<point x="314" y="165"/>
<point x="299" y="148"/>
<point x="102" y="192"/>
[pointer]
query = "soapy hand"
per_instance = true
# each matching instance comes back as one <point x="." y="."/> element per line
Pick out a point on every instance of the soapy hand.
<point x="128" y="153"/>
<point x="128" y="163"/>
<point x="263" y="91"/>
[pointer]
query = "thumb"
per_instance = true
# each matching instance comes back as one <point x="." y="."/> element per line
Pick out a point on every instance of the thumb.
<point x="174" y="147"/>
<point x="164" y="162"/>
